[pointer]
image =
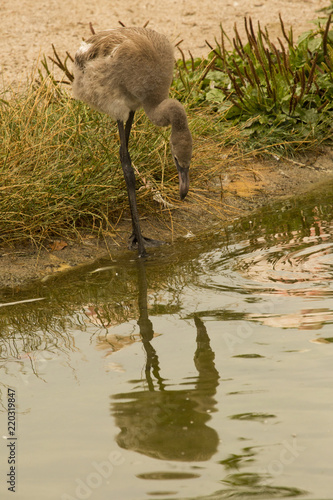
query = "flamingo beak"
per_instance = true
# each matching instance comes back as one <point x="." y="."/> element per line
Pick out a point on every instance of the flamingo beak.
<point x="184" y="182"/>
<point x="184" y="179"/>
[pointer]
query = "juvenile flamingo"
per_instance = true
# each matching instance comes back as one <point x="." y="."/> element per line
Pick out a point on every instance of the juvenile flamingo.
<point x="121" y="70"/>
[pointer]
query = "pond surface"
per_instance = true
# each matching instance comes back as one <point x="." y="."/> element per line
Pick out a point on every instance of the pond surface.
<point x="205" y="372"/>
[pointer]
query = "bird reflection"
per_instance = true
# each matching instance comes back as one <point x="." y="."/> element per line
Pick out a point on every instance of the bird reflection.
<point x="146" y="330"/>
<point x="162" y="423"/>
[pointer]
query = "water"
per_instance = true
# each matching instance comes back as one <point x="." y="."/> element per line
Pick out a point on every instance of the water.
<point x="203" y="373"/>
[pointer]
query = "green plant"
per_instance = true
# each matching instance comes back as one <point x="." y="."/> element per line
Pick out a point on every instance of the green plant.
<point x="278" y="92"/>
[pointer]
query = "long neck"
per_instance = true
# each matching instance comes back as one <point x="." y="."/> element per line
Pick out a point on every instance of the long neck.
<point x="167" y="112"/>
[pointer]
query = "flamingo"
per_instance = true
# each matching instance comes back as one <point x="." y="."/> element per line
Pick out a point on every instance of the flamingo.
<point x="119" y="71"/>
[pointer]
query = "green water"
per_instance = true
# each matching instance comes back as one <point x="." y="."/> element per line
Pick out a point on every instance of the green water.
<point x="204" y="372"/>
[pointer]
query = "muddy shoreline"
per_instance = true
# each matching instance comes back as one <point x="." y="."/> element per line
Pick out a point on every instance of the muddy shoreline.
<point x="247" y="188"/>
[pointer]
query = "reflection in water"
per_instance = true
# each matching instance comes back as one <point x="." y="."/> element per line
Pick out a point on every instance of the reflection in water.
<point x="286" y="255"/>
<point x="305" y="319"/>
<point x="299" y="266"/>
<point x="302" y="265"/>
<point x="273" y="270"/>
<point x="302" y="256"/>
<point x="169" y="424"/>
<point x="146" y="330"/>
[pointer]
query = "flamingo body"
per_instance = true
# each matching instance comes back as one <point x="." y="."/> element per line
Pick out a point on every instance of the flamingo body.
<point x="121" y="70"/>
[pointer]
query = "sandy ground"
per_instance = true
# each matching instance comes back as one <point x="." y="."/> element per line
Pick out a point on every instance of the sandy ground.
<point x="29" y="27"/>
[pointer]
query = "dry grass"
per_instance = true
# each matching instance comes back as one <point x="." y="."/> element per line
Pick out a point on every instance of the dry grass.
<point x="60" y="170"/>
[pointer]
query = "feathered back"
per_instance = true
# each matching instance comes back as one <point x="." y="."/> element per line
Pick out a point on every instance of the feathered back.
<point x="123" y="69"/>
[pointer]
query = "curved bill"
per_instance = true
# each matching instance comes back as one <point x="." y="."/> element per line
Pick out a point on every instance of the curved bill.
<point x="184" y="180"/>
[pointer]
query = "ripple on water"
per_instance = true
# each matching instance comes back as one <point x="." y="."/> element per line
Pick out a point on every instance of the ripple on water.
<point x="283" y="260"/>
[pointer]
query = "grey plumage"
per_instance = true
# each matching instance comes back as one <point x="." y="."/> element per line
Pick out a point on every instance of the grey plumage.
<point x="122" y="69"/>
<point x="119" y="71"/>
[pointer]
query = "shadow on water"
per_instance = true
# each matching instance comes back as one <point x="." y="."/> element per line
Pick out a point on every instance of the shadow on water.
<point x="285" y="250"/>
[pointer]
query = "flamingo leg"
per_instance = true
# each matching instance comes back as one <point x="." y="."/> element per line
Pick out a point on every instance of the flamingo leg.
<point x="129" y="176"/>
<point x="128" y="127"/>
<point x="136" y="239"/>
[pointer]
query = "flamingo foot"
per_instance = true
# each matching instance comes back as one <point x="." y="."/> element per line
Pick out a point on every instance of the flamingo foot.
<point x="133" y="243"/>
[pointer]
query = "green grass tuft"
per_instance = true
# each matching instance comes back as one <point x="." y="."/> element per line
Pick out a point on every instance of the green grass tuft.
<point x="280" y="94"/>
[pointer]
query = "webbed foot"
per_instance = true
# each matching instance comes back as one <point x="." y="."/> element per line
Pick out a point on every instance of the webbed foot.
<point x="147" y="242"/>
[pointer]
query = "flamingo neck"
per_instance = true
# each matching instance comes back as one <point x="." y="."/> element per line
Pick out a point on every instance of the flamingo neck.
<point x="168" y="112"/>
